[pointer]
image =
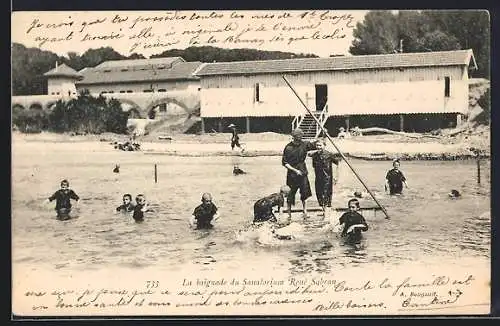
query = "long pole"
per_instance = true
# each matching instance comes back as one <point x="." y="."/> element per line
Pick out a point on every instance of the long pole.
<point x="478" y="168"/>
<point x="341" y="154"/>
<point x="156" y="174"/>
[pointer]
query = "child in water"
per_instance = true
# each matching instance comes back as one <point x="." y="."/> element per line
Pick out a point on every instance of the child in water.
<point x="140" y="208"/>
<point x="353" y="222"/>
<point x="326" y="176"/>
<point x="204" y="214"/>
<point x="395" y="179"/>
<point x="263" y="208"/>
<point x="127" y="205"/>
<point x="63" y="198"/>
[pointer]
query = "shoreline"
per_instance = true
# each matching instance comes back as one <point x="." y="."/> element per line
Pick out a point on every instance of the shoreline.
<point x="372" y="148"/>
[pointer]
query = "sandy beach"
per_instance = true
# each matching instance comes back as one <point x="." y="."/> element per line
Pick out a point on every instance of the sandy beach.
<point x="378" y="147"/>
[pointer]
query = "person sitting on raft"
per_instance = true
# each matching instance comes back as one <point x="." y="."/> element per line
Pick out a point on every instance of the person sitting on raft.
<point x="263" y="208"/>
<point x="204" y="214"/>
<point x="353" y="222"/>
<point x="63" y="198"/>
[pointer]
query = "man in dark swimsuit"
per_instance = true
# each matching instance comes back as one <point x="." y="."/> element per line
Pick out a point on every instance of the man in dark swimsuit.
<point x="294" y="160"/>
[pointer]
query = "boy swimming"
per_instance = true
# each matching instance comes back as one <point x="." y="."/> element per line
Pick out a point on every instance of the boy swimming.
<point x="63" y="198"/>
<point x="140" y="208"/>
<point x="395" y="179"/>
<point x="127" y="205"/>
<point x="263" y="208"/>
<point x="354" y="223"/>
<point x="204" y="214"/>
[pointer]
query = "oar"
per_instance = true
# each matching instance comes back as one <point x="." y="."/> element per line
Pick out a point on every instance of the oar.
<point x="341" y="154"/>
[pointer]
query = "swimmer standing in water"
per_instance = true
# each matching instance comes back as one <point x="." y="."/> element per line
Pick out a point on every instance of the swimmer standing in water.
<point x="63" y="198"/>
<point x="395" y="179"/>
<point x="204" y="214"/>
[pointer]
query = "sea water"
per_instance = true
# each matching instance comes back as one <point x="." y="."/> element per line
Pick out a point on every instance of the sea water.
<point x="424" y="223"/>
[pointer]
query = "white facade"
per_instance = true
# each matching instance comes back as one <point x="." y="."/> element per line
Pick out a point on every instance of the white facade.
<point x="349" y="92"/>
<point x="64" y="86"/>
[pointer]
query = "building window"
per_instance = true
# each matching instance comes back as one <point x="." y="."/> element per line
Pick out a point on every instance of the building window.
<point x="447" y="86"/>
<point x="122" y="91"/>
<point x="257" y="92"/>
<point x="148" y="91"/>
<point x="111" y="92"/>
<point x="129" y="91"/>
<point x="162" y="90"/>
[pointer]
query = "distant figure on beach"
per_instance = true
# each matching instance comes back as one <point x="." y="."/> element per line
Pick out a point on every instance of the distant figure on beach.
<point x="263" y="208"/>
<point x="294" y="160"/>
<point x="235" y="138"/>
<point x="204" y="214"/>
<point x="238" y="171"/>
<point x="454" y="194"/>
<point x="356" y="132"/>
<point x="342" y="133"/>
<point x="353" y="223"/>
<point x="117" y="170"/>
<point x="127" y="205"/>
<point x="395" y="179"/>
<point x="141" y="206"/>
<point x="63" y="198"/>
<point x="326" y="176"/>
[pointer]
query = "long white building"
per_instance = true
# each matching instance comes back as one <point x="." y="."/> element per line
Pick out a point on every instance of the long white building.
<point x="412" y="91"/>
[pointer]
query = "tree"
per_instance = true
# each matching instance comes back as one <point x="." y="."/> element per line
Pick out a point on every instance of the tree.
<point x="28" y="67"/>
<point x="377" y="34"/>
<point x="93" y="57"/>
<point x="423" y="31"/>
<point x="214" y="54"/>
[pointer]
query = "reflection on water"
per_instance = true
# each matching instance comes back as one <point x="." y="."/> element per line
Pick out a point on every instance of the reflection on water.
<point x="424" y="222"/>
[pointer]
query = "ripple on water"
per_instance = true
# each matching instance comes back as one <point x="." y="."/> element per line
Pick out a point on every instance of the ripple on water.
<point x="424" y="222"/>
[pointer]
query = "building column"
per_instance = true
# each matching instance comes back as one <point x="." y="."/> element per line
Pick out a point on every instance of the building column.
<point x="248" y="124"/>
<point x="347" y="123"/>
<point x="401" y="123"/>
<point x="202" y="125"/>
<point x="459" y="119"/>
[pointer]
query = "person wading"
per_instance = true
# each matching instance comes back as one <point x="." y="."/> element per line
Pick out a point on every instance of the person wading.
<point x="294" y="157"/>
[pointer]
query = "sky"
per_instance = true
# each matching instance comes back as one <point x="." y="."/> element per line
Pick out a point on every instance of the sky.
<point x="320" y="32"/>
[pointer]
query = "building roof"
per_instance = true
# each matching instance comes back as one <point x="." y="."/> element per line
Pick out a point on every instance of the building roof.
<point x="444" y="58"/>
<point x="122" y="71"/>
<point x="63" y="71"/>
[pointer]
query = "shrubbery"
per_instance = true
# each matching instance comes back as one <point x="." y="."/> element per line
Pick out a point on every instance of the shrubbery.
<point x="85" y="114"/>
<point x="485" y="104"/>
<point x="30" y="121"/>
